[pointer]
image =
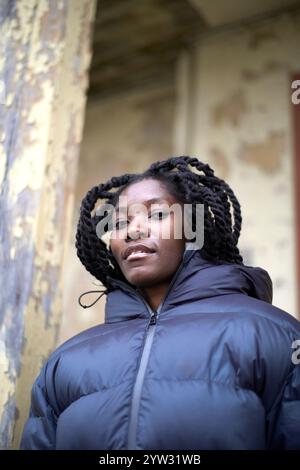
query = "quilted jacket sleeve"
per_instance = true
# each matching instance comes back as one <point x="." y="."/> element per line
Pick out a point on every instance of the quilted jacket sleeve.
<point x="286" y="415"/>
<point x="39" y="432"/>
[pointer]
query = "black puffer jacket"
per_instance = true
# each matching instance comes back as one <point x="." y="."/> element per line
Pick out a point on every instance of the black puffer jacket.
<point x="213" y="369"/>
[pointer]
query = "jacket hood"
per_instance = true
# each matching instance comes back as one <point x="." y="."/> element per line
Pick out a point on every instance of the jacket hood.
<point x="195" y="279"/>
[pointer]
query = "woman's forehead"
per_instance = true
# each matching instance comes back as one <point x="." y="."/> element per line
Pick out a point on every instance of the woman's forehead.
<point x="145" y="192"/>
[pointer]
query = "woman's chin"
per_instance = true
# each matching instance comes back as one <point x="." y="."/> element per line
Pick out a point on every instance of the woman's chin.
<point x="139" y="280"/>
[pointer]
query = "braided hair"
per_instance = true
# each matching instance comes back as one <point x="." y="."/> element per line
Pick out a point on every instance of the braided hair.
<point x="191" y="182"/>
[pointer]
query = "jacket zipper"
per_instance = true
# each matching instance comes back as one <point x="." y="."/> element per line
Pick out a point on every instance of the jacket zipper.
<point x="137" y="390"/>
<point x="146" y="348"/>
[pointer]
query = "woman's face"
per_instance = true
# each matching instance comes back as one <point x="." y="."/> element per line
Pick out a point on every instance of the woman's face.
<point x="151" y="224"/>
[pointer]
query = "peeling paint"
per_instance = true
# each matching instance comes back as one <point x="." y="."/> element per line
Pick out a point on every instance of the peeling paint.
<point x="7" y="390"/>
<point x="269" y="67"/>
<point x="262" y="37"/>
<point x="231" y="110"/>
<point x="38" y="160"/>
<point x="266" y="155"/>
<point x="241" y="107"/>
<point x="28" y="170"/>
<point x="3" y="164"/>
<point x="12" y="252"/>
<point x="220" y="161"/>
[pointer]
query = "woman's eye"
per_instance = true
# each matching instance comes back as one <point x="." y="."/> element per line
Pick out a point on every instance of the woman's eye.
<point x="159" y="215"/>
<point x="120" y="224"/>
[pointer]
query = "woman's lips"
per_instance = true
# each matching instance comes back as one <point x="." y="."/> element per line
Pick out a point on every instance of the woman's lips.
<point x="137" y="248"/>
<point x="136" y="256"/>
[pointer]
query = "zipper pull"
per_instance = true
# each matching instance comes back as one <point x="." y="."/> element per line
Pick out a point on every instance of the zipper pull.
<point x="153" y="318"/>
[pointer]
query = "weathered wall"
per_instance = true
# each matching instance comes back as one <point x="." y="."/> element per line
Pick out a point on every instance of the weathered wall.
<point x="122" y="134"/>
<point x="45" y="54"/>
<point x="230" y="107"/>
<point x="234" y="111"/>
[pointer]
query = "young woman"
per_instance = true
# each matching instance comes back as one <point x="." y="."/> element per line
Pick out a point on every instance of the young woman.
<point x="192" y="354"/>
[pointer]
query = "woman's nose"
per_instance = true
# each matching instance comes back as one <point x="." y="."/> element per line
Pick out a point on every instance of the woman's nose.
<point x="137" y="229"/>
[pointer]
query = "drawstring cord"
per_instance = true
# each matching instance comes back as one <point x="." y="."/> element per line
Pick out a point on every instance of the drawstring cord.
<point x="89" y="292"/>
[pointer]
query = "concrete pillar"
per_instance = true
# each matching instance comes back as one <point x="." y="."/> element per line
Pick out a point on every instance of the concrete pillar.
<point x="44" y="60"/>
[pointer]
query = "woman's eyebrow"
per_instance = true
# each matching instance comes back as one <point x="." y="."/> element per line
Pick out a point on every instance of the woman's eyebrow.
<point x="146" y="203"/>
<point x="153" y="200"/>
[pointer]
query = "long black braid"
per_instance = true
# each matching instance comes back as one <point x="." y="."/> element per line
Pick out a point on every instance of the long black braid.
<point x="190" y="181"/>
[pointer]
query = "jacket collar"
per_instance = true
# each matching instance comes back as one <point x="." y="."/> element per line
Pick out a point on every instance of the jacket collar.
<point x="195" y="279"/>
